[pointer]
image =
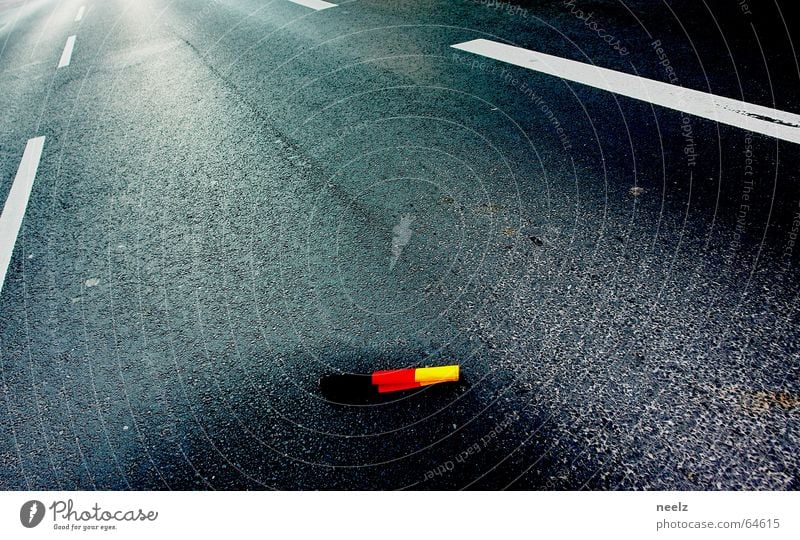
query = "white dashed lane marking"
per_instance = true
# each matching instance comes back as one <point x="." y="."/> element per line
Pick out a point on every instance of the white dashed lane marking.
<point x="81" y="11"/>
<point x="17" y="203"/>
<point x="66" y="56"/>
<point x="755" y="118"/>
<point x="314" y="4"/>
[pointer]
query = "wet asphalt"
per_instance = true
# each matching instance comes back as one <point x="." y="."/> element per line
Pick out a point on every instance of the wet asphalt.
<point x="237" y="197"/>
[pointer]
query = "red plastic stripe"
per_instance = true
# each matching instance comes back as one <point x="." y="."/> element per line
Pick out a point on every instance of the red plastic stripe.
<point x="393" y="377"/>
<point x="384" y="388"/>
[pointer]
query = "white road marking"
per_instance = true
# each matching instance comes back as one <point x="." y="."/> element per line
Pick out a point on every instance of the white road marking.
<point x="79" y="16"/>
<point x="17" y="202"/>
<point x="755" y="118"/>
<point x="314" y="4"/>
<point x="66" y="56"/>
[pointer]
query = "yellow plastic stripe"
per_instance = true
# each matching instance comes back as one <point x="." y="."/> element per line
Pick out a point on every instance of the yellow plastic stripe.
<point x="432" y="375"/>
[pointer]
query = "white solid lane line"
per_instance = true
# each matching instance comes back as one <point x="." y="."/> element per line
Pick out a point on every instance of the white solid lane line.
<point x="314" y="4"/>
<point x="66" y="56"/>
<point x="79" y="16"/>
<point x="17" y="202"/>
<point x="755" y="118"/>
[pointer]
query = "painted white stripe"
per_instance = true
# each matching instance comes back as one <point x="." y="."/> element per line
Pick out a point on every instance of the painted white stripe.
<point x="314" y="4"/>
<point x="755" y="118"/>
<point x="17" y="202"/>
<point x="79" y="16"/>
<point x="66" y="56"/>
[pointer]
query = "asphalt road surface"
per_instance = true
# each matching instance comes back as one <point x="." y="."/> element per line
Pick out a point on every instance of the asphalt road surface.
<point x="235" y="197"/>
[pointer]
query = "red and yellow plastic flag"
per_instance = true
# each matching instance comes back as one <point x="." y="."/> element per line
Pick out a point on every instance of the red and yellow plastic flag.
<point x="394" y="380"/>
<point x="353" y="388"/>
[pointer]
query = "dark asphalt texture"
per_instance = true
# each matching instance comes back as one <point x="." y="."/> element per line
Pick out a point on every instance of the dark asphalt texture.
<point x="211" y="230"/>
